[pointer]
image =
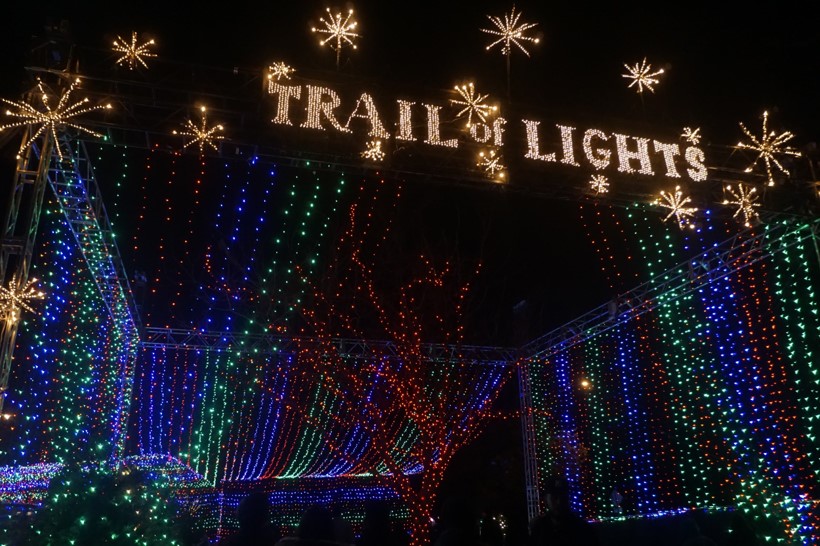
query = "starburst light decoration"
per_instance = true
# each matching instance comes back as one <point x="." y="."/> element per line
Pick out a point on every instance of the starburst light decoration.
<point x="133" y="53"/>
<point x="340" y="30"/>
<point x="473" y="104"/>
<point x="642" y="76"/>
<point x="746" y="202"/>
<point x="768" y="147"/>
<point x="599" y="183"/>
<point x="692" y="136"/>
<point x="491" y="163"/>
<point x="676" y="203"/>
<point x="203" y="135"/>
<point x="17" y="296"/>
<point x="279" y="70"/>
<point x="50" y="120"/>
<point x="509" y="32"/>
<point x="373" y="151"/>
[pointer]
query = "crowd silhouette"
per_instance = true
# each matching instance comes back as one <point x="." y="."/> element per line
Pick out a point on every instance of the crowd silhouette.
<point x="461" y="523"/>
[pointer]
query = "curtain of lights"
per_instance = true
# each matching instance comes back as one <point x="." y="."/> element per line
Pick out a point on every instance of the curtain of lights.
<point x="707" y="400"/>
<point x="66" y="386"/>
<point x="243" y="417"/>
<point x="236" y="246"/>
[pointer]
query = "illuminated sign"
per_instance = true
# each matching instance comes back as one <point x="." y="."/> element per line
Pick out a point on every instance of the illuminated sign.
<point x="321" y="108"/>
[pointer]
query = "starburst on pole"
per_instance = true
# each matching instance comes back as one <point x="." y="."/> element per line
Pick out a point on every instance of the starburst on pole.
<point x="676" y="204"/>
<point x="202" y="135"/>
<point x="279" y="70"/>
<point x="17" y="296"/>
<point x="50" y="120"/>
<point x="491" y="163"/>
<point x="373" y="151"/>
<point x="599" y="183"/>
<point x="340" y="31"/>
<point x="641" y="75"/>
<point x="133" y="53"/>
<point x="692" y="136"/>
<point x="768" y="147"/>
<point x="473" y="104"/>
<point x="510" y="32"/>
<point x="746" y="201"/>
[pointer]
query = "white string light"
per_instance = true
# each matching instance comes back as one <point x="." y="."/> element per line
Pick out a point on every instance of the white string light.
<point x="473" y="104"/>
<point x="373" y="151"/>
<point x="278" y="71"/>
<point x="340" y="30"/>
<point x="642" y="76"/>
<point x="676" y="203"/>
<point x="599" y="184"/>
<point x="133" y="53"/>
<point x="17" y="296"/>
<point x="491" y="163"/>
<point x="203" y="135"/>
<point x="768" y="147"/>
<point x="509" y="32"/>
<point x="746" y="201"/>
<point x="371" y="114"/>
<point x="690" y="135"/>
<point x="50" y="120"/>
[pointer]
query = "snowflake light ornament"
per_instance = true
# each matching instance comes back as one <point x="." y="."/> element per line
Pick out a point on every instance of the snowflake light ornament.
<point x="51" y="120"/>
<point x="746" y="201"/>
<point x="340" y="30"/>
<point x="509" y="32"/>
<point x="599" y="183"/>
<point x="642" y="76"/>
<point x="768" y="147"/>
<point x="133" y="53"/>
<point x="473" y="104"/>
<point x="373" y="151"/>
<point x="17" y="296"/>
<point x="676" y="203"/>
<point x="279" y="70"/>
<point x="692" y="136"/>
<point x="202" y="134"/>
<point x="491" y="163"/>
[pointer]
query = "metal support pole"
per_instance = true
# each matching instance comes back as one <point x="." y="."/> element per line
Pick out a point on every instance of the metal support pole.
<point x="529" y="441"/>
<point x="19" y="233"/>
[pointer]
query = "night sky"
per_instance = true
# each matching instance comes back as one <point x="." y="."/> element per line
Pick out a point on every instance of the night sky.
<point x="722" y="66"/>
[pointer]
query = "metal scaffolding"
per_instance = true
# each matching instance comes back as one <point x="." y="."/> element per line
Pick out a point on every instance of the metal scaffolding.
<point x="732" y="255"/>
<point x="195" y="340"/>
<point x="738" y="252"/>
<point x="22" y="219"/>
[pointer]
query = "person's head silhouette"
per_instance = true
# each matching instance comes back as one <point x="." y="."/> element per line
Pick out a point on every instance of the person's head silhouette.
<point x="556" y="495"/>
<point x="253" y="511"/>
<point x="316" y="524"/>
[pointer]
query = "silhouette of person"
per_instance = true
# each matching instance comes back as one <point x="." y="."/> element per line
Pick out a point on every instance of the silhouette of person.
<point x="492" y="533"/>
<point x="617" y="498"/>
<point x="255" y="528"/>
<point x="741" y="532"/>
<point x="316" y="528"/>
<point x="460" y="524"/>
<point x="558" y="525"/>
<point x="377" y="529"/>
<point x="691" y="534"/>
<point x="343" y="531"/>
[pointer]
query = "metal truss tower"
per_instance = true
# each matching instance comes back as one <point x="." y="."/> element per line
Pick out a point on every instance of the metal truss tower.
<point x="21" y="220"/>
